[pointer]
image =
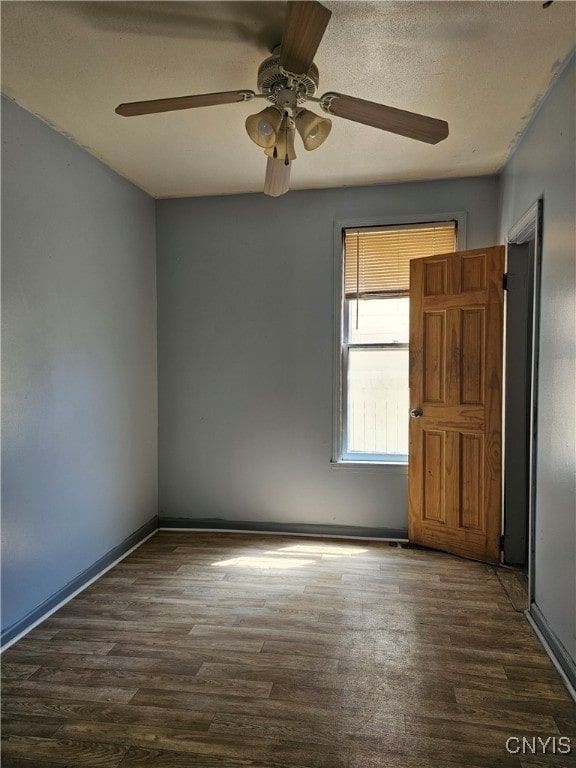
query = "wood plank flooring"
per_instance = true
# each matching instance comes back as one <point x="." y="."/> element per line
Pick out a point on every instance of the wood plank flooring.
<point x="235" y="650"/>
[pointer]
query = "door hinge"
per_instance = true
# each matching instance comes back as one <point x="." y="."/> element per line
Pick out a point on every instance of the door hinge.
<point x="505" y="281"/>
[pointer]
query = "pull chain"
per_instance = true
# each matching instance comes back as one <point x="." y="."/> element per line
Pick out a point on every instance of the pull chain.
<point x="286" y="160"/>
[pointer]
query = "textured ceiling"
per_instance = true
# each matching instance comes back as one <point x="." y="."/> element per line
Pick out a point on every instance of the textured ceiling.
<point x="482" y="66"/>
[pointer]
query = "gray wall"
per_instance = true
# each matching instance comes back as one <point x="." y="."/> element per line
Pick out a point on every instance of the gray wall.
<point x="544" y="166"/>
<point x="79" y="415"/>
<point x="245" y="338"/>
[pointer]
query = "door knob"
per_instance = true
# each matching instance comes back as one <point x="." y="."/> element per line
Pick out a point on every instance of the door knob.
<point x="415" y="413"/>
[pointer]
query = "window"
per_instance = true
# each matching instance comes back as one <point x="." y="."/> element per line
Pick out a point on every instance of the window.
<point x="374" y="330"/>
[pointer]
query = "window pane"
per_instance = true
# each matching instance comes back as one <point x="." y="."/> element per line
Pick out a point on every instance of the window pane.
<point x="378" y="321"/>
<point x="377" y="412"/>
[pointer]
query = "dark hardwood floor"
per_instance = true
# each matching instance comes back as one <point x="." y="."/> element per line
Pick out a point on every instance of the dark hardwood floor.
<point x="235" y="650"/>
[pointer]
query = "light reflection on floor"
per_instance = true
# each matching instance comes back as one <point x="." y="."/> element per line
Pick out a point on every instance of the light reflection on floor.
<point x="292" y="556"/>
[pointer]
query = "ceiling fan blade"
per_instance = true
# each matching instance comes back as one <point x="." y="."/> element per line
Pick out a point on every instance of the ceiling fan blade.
<point x="305" y="25"/>
<point x="277" y="181"/>
<point x="182" y="102"/>
<point x="409" y="124"/>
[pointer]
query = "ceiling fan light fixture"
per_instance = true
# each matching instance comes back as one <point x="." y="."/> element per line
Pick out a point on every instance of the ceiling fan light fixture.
<point x="288" y="79"/>
<point x="312" y="128"/>
<point x="263" y="127"/>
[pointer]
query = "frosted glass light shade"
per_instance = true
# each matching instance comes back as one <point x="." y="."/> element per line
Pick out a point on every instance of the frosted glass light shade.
<point x="263" y="127"/>
<point x="312" y="128"/>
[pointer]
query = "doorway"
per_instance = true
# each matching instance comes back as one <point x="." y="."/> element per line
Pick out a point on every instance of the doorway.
<point x="520" y="401"/>
<point x="427" y="488"/>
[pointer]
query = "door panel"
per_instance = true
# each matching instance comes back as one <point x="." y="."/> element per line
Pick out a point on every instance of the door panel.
<point x="455" y="460"/>
<point x="434" y="347"/>
<point x="473" y="343"/>
<point x="434" y="507"/>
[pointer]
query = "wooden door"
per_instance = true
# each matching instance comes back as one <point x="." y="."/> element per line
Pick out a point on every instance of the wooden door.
<point x="455" y="459"/>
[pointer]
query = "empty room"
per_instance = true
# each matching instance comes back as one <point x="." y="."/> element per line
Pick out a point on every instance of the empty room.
<point x="288" y="384"/>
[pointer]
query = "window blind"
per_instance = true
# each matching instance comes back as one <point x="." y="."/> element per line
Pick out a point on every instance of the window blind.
<point x="377" y="261"/>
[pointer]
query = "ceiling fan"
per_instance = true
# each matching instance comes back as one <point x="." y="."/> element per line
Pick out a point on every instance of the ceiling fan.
<point x="287" y="79"/>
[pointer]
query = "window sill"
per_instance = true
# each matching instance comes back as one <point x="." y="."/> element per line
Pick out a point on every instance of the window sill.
<point x="397" y="465"/>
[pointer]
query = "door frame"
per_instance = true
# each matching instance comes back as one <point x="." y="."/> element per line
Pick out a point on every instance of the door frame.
<point x="526" y="229"/>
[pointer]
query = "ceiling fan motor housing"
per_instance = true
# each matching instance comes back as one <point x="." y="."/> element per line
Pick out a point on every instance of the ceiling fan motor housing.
<point x="273" y="78"/>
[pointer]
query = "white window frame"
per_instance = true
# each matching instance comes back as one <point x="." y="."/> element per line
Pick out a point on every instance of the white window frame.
<point x="339" y="459"/>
